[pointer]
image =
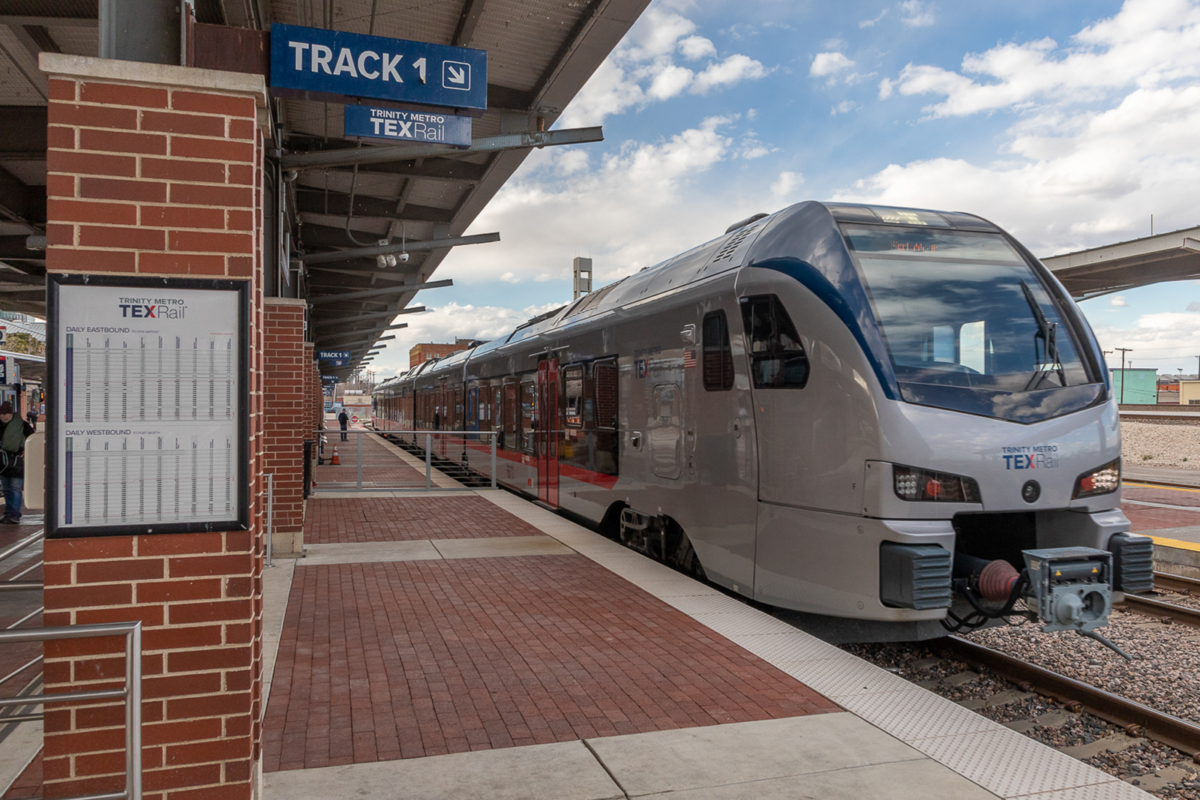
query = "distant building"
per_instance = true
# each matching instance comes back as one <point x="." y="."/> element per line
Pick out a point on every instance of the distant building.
<point x="1135" y="387"/>
<point x="430" y="350"/>
<point x="1189" y="393"/>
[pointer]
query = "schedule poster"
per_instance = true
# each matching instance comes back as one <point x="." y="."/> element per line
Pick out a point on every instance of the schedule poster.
<point x="148" y="409"/>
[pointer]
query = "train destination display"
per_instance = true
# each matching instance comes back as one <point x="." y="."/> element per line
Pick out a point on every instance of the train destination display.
<point x="148" y="411"/>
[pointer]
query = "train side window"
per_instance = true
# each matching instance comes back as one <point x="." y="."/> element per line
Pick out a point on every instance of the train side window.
<point x="510" y="410"/>
<point x="718" y="355"/>
<point x="529" y="416"/>
<point x="573" y="391"/>
<point x="777" y="357"/>
<point x="604" y="384"/>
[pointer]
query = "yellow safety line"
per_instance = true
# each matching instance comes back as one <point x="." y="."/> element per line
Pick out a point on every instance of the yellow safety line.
<point x="1159" y="486"/>
<point x="1176" y="544"/>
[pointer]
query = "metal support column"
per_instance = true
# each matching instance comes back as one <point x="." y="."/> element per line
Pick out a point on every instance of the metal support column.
<point x="360" y="460"/>
<point x="148" y="31"/>
<point x="428" y="461"/>
<point x="493" y="459"/>
<point x="270" y="517"/>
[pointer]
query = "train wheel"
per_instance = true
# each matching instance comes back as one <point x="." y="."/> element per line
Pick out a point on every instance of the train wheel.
<point x="682" y="556"/>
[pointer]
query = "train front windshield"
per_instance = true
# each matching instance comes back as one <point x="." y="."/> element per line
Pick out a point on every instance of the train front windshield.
<point x="968" y="324"/>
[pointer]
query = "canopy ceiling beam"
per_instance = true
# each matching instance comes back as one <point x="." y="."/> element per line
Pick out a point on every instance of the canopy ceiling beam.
<point x="411" y="247"/>
<point x="375" y="315"/>
<point x="395" y="290"/>
<point x="353" y="334"/>
<point x="487" y="144"/>
<point x="337" y="204"/>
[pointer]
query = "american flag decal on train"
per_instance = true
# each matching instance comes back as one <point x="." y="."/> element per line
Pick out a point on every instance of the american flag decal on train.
<point x="689" y="359"/>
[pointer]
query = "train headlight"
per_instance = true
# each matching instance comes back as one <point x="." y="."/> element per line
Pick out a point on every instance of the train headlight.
<point x="924" y="485"/>
<point x="1099" y="481"/>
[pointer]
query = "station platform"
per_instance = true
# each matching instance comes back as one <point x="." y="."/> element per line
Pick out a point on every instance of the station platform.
<point x="1169" y="513"/>
<point x="473" y="644"/>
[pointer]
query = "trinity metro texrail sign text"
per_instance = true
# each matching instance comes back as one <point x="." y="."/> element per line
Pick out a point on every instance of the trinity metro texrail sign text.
<point x="408" y="126"/>
<point x="323" y="62"/>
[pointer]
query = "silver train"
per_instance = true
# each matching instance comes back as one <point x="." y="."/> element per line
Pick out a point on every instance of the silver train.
<point x="895" y="421"/>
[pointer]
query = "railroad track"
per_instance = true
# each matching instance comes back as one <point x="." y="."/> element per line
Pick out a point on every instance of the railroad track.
<point x="1153" y="607"/>
<point x="1135" y="718"/>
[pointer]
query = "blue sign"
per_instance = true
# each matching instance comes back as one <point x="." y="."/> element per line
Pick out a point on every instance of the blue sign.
<point x="355" y="65"/>
<point x="407" y="126"/>
<point x="333" y="355"/>
<point x="330" y="378"/>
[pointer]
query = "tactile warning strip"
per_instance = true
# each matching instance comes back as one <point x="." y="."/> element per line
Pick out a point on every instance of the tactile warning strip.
<point x="992" y="756"/>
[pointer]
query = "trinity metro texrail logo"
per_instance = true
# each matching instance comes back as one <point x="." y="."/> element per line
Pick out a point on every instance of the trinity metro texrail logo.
<point x="1037" y="456"/>
<point x="148" y="308"/>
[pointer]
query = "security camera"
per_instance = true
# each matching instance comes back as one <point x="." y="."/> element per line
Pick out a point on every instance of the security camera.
<point x="404" y="258"/>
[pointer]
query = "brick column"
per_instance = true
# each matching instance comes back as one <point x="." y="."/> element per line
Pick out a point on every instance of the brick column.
<point x="155" y="170"/>
<point x="286" y="379"/>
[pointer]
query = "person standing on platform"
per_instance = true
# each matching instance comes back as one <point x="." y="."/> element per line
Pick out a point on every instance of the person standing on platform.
<point x="13" y="432"/>
<point x="32" y="416"/>
<point x="344" y="421"/>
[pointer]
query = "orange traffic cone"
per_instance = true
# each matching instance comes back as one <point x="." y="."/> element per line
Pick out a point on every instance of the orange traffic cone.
<point x="335" y="459"/>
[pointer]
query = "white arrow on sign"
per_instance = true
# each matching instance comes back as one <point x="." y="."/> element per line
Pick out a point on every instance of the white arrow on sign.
<point x="457" y="75"/>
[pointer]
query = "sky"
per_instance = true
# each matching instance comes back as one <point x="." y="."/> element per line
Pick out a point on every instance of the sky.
<point x="1069" y="124"/>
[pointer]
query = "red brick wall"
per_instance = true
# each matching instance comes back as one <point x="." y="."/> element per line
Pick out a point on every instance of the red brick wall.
<point x="159" y="177"/>
<point x="287" y="414"/>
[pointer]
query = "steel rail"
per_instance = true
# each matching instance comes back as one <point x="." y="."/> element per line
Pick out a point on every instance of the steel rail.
<point x="1160" y="608"/>
<point x="1176" y="583"/>
<point x="1170" y="730"/>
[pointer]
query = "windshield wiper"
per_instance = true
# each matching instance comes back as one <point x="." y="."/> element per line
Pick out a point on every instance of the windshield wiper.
<point x="1048" y="333"/>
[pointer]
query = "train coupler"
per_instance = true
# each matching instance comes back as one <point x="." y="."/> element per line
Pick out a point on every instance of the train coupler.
<point x="1070" y="588"/>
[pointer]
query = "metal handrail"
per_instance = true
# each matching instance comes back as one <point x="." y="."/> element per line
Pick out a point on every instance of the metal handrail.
<point x="429" y="434"/>
<point x="131" y="693"/>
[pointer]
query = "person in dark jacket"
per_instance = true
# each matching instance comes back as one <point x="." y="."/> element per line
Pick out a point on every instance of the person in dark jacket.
<point x="13" y="432"/>
<point x="344" y="420"/>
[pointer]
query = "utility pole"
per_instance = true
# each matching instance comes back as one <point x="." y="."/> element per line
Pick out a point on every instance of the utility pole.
<point x="1123" y="351"/>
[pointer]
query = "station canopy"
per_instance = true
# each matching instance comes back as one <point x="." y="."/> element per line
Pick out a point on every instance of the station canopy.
<point x="540" y="53"/>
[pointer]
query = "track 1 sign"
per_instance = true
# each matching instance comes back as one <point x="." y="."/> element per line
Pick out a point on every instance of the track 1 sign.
<point x="315" y="61"/>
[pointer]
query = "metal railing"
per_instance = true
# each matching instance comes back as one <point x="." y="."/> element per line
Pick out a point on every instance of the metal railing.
<point x="131" y="693"/>
<point x="26" y="698"/>
<point x="454" y="449"/>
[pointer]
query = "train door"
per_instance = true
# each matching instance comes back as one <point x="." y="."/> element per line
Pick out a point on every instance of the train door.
<point x="548" y="431"/>
<point x="473" y="414"/>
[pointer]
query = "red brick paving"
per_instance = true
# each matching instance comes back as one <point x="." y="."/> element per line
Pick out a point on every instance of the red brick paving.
<point x="399" y="519"/>
<point x="1174" y="497"/>
<point x="29" y="782"/>
<point x="410" y="659"/>
<point x="381" y="465"/>
<point x="1149" y="518"/>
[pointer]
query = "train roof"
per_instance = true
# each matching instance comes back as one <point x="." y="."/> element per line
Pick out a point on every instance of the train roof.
<point x="721" y="254"/>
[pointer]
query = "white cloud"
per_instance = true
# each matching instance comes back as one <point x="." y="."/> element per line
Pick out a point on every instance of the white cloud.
<point x="829" y="64"/>
<point x="1164" y="340"/>
<point x="783" y="190"/>
<point x="1118" y="302"/>
<point x="917" y="14"/>
<point x="844" y="107"/>
<point x="642" y="69"/>
<point x="670" y="82"/>
<point x="447" y="323"/>
<point x="694" y="47"/>
<point x="1147" y="44"/>
<point x="1100" y="136"/>
<point x="752" y="148"/>
<point x="628" y="209"/>
<point x="870" y="23"/>
<point x="732" y="70"/>
<point x="1193" y="306"/>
